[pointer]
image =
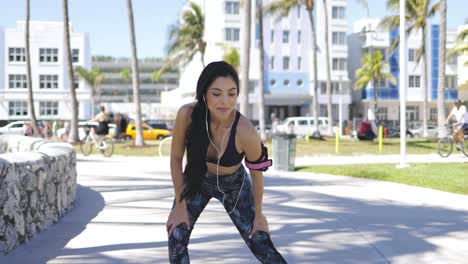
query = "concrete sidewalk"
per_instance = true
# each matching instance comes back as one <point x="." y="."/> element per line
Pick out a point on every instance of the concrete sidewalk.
<point x="123" y="203"/>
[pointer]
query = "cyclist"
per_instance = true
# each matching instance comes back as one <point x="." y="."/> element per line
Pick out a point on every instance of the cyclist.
<point x="102" y="128"/>
<point x="461" y="122"/>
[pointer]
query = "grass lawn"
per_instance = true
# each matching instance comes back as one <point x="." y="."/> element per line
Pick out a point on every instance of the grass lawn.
<point x="449" y="177"/>
<point x="357" y="147"/>
<point x="313" y="148"/>
<point x="127" y="148"/>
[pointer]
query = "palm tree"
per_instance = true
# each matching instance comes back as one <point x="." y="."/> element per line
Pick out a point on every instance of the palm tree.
<point x="418" y="13"/>
<point x="125" y="75"/>
<point x="461" y="45"/>
<point x="327" y="66"/>
<point x="73" y="137"/>
<point x="373" y="69"/>
<point x="245" y="58"/>
<point x="231" y="56"/>
<point x="135" y="78"/>
<point x="31" y="111"/>
<point x="280" y="9"/>
<point x="93" y="78"/>
<point x="186" y="39"/>
<point x="442" y="58"/>
<point x="261" y="80"/>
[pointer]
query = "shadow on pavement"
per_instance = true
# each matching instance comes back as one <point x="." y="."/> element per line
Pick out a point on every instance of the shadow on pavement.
<point x="52" y="241"/>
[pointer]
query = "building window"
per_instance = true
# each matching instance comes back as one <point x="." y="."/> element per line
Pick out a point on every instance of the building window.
<point x="338" y="12"/>
<point x="300" y="83"/>
<point x="48" y="108"/>
<point x="272" y="62"/>
<point x="272" y="82"/>
<point x="412" y="55"/>
<point x="75" y="55"/>
<point x="76" y="82"/>
<point x="414" y="81"/>
<point x="18" y="108"/>
<point x="452" y="60"/>
<point x="298" y="11"/>
<point x="382" y="113"/>
<point x="16" y="54"/>
<point x="286" y="82"/>
<point x="48" y="81"/>
<point x="272" y="36"/>
<point x="339" y="64"/>
<point x="299" y="39"/>
<point x="433" y="114"/>
<point x="299" y="63"/>
<point x="285" y="36"/>
<point x="232" y="7"/>
<point x="451" y="81"/>
<point x="286" y="63"/>
<point x="17" y="81"/>
<point x="232" y="34"/>
<point x="338" y="38"/>
<point x="412" y="113"/>
<point x="48" y="55"/>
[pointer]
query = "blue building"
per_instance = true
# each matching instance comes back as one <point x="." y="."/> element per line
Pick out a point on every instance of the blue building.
<point x="368" y="36"/>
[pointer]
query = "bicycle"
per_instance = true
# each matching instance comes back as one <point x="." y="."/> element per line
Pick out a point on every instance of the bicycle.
<point x="445" y="142"/>
<point x="104" y="144"/>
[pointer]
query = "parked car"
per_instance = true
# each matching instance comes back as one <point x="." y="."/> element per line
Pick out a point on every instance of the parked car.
<point x="302" y="125"/>
<point x="15" y="127"/>
<point x="157" y="124"/>
<point x="148" y="132"/>
<point x="431" y="131"/>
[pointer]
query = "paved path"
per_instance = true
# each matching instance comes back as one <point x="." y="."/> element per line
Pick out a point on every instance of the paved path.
<point x="123" y="203"/>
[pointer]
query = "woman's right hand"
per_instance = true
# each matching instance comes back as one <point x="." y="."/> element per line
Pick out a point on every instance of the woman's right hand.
<point x="177" y="216"/>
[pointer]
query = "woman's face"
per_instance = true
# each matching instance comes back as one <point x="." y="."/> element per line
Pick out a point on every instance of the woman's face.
<point x="221" y="97"/>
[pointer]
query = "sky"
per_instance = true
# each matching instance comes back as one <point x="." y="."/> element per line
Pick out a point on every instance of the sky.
<point x="106" y="21"/>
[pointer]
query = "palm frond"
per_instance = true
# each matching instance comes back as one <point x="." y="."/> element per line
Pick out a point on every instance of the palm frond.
<point x="280" y="8"/>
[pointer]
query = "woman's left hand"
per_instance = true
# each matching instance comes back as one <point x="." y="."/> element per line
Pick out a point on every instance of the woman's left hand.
<point x="260" y="224"/>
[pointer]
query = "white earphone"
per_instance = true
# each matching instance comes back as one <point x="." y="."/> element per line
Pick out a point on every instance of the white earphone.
<point x="219" y="155"/>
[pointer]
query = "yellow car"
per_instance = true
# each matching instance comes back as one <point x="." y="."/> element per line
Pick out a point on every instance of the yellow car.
<point x="148" y="132"/>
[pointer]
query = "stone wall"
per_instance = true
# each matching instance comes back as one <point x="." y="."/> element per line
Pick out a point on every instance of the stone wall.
<point x="37" y="186"/>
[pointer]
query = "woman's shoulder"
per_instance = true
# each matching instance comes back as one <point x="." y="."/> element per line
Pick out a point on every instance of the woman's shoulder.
<point x="245" y="128"/>
<point x="184" y="113"/>
<point x="187" y="108"/>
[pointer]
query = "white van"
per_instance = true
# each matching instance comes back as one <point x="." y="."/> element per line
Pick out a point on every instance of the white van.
<point x="302" y="125"/>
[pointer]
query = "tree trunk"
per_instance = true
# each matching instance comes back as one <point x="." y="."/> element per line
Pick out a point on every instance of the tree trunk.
<point x="32" y="112"/>
<point x="376" y="90"/>
<point x="245" y="60"/>
<point x="73" y="137"/>
<point x="136" y="79"/>
<point x="327" y="65"/>
<point x="261" y="81"/>
<point x="426" y="92"/>
<point x="441" y="115"/>
<point x="316" y="131"/>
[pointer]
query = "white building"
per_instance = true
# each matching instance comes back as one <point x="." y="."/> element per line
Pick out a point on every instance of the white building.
<point x="49" y="75"/>
<point x="288" y="73"/>
<point x="377" y="38"/>
<point x="463" y="61"/>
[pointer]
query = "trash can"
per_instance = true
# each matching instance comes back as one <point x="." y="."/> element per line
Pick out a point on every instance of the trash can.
<point x="284" y="151"/>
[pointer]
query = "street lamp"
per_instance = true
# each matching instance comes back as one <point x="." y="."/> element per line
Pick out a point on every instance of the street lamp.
<point x="403" y="83"/>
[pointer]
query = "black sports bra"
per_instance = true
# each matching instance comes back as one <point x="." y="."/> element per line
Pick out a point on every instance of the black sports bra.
<point x="230" y="156"/>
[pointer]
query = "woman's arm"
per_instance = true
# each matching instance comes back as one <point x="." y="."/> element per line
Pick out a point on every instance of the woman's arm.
<point x="252" y="147"/>
<point x="178" y="149"/>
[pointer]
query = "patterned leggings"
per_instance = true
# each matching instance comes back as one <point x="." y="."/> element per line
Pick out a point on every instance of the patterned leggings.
<point x="243" y="216"/>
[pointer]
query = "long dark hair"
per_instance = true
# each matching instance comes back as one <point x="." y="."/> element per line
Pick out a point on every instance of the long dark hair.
<point x="196" y="137"/>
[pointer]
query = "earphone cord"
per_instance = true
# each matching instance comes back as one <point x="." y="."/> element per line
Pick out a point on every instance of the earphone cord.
<point x="219" y="158"/>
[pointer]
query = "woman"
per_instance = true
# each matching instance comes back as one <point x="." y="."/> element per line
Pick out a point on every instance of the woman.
<point x="214" y="166"/>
